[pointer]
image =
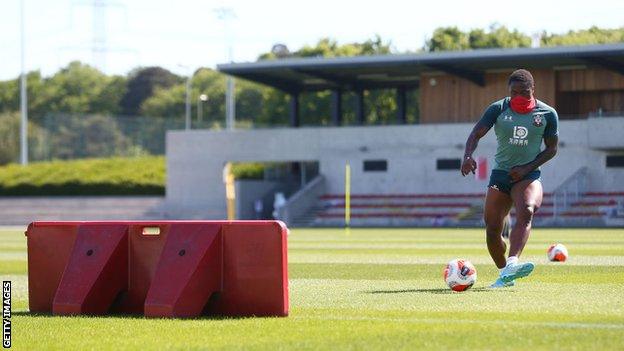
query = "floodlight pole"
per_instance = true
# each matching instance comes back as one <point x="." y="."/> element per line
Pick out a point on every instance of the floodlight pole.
<point x="187" y="113"/>
<point x="230" y="104"/>
<point x="187" y="104"/>
<point x="200" y="100"/>
<point x="226" y="14"/>
<point x="23" y="97"/>
<point x="230" y="92"/>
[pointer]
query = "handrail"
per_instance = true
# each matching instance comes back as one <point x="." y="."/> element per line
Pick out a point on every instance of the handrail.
<point x="302" y="201"/>
<point x="570" y="191"/>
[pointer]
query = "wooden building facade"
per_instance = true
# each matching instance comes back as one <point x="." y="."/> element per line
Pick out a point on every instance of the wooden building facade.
<point x="575" y="92"/>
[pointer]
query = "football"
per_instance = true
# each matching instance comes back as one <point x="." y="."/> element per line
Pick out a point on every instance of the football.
<point x="460" y="275"/>
<point x="557" y="253"/>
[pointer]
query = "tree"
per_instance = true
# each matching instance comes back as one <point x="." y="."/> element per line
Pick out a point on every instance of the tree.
<point x="142" y="83"/>
<point x="453" y="39"/>
<point x="315" y="106"/>
<point x="109" y="98"/>
<point x="250" y="100"/>
<point x="497" y="37"/>
<point x="77" y="88"/>
<point x="170" y="101"/>
<point x="10" y="92"/>
<point x="327" y="47"/>
<point x="80" y="89"/>
<point x="448" y="38"/>
<point x="10" y="139"/>
<point x="593" y="35"/>
<point x="9" y="96"/>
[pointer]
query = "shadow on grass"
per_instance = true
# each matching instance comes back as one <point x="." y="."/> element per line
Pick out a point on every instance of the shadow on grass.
<point x="430" y="291"/>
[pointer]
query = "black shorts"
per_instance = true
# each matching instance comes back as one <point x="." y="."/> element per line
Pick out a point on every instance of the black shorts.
<point x="501" y="181"/>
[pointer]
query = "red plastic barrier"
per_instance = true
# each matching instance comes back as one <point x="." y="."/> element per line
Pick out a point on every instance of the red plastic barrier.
<point x="188" y="273"/>
<point x="159" y="269"/>
<point x="96" y="271"/>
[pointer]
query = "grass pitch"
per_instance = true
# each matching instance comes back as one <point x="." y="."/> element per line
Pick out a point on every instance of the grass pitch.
<point x="379" y="289"/>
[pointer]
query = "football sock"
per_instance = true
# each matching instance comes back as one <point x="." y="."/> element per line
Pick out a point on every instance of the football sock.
<point x="512" y="260"/>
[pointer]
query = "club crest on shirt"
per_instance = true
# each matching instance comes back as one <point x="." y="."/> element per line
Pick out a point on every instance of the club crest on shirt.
<point x="538" y="120"/>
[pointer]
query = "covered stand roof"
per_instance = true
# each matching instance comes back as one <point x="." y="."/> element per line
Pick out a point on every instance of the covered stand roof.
<point x="390" y="71"/>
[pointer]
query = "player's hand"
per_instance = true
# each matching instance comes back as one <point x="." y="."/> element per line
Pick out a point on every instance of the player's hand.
<point x="469" y="165"/>
<point x="518" y="172"/>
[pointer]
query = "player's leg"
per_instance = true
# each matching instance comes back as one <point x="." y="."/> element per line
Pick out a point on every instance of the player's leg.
<point x="527" y="198"/>
<point x="507" y="227"/>
<point x="497" y="206"/>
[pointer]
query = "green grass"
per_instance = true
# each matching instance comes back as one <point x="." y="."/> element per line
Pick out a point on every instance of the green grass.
<point x="379" y="289"/>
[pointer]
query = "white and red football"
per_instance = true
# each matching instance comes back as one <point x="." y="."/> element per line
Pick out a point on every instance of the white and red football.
<point x="557" y="253"/>
<point x="460" y="275"/>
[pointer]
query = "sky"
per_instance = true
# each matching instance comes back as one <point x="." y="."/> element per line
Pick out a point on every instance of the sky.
<point x="183" y="35"/>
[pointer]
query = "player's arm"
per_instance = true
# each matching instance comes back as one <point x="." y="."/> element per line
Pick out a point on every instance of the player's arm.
<point x="479" y="131"/>
<point x="551" y="140"/>
<point x="518" y="172"/>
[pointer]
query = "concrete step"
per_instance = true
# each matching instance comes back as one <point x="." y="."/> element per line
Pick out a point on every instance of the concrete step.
<point x="23" y="210"/>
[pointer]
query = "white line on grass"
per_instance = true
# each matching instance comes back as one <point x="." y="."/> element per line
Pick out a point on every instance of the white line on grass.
<point x="13" y="256"/>
<point x="566" y="325"/>
<point x="297" y="257"/>
<point x="13" y="228"/>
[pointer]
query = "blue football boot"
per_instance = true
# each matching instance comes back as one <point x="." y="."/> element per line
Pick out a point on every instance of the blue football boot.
<point x="514" y="271"/>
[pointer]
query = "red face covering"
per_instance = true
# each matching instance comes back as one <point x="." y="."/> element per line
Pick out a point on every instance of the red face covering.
<point x="522" y="105"/>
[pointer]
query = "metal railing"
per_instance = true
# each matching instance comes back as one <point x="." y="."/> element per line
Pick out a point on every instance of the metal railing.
<point x="600" y="113"/>
<point x="302" y="201"/>
<point x="570" y="191"/>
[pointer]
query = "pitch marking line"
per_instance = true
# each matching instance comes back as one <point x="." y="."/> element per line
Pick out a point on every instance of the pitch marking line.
<point x="568" y="325"/>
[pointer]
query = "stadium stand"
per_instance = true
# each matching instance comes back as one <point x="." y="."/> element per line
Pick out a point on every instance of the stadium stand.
<point x="417" y="159"/>
<point x="594" y="208"/>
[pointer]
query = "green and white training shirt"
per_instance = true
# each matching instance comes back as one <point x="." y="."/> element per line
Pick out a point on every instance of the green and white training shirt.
<point x="519" y="136"/>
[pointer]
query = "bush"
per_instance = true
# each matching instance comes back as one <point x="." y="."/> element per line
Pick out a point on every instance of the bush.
<point x="110" y="176"/>
<point x="248" y="170"/>
<point x="143" y="175"/>
<point x="84" y="136"/>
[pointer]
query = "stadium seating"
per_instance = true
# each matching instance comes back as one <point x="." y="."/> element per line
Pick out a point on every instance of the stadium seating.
<point x="593" y="208"/>
<point x="398" y="209"/>
<point x="457" y="209"/>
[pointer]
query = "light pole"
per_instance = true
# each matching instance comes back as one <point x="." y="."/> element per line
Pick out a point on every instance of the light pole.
<point x="23" y="98"/>
<point x="226" y="14"/>
<point x="187" y="105"/>
<point x="202" y="98"/>
<point x="187" y="110"/>
<point x="230" y="104"/>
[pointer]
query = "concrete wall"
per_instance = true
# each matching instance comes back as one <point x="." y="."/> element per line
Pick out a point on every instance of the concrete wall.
<point x="248" y="191"/>
<point x="195" y="159"/>
<point x="26" y="209"/>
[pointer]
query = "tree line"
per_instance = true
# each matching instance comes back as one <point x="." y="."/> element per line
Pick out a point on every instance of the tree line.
<point x="156" y="92"/>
